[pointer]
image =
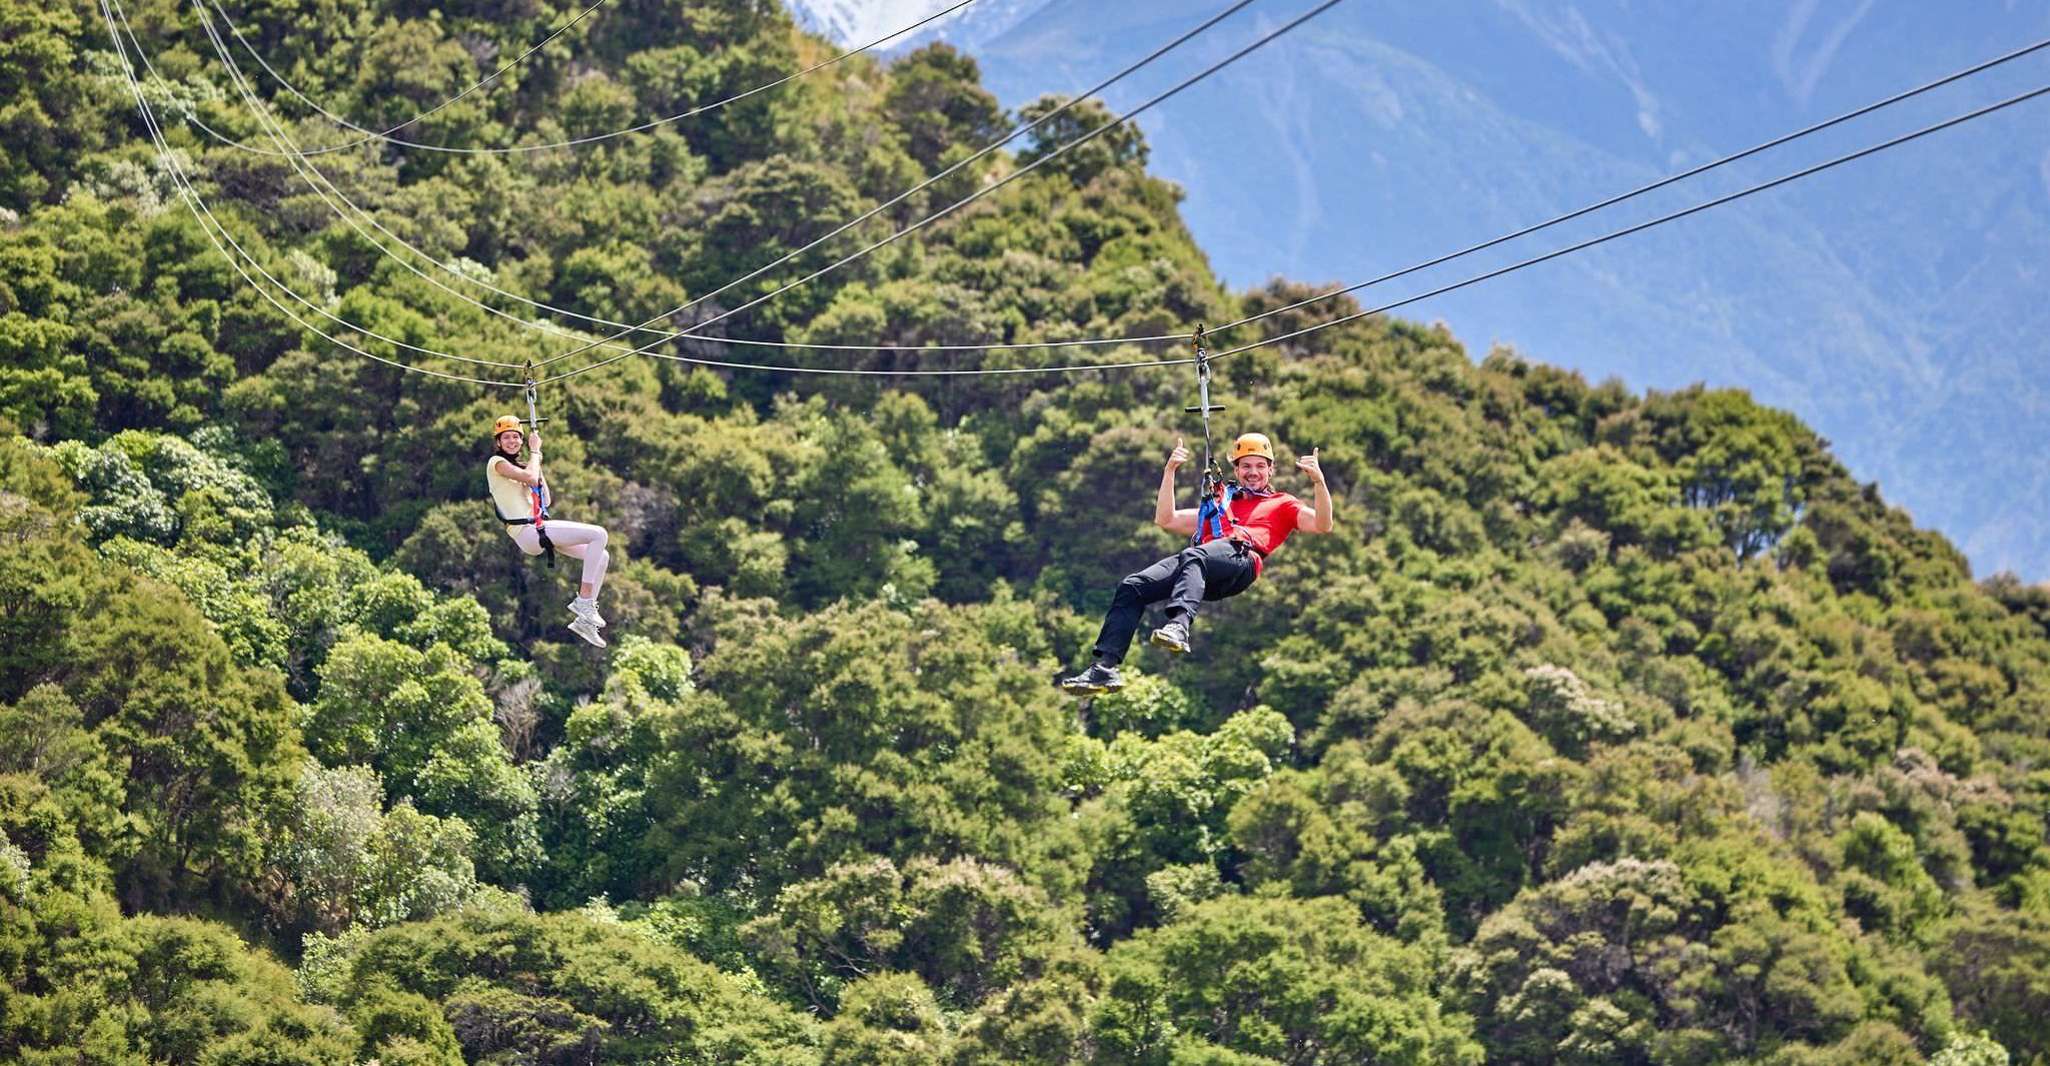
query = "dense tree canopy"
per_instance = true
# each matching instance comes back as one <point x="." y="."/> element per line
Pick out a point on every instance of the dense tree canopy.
<point x="1609" y="728"/>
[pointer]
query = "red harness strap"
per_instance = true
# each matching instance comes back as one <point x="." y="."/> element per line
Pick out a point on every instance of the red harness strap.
<point x="539" y="513"/>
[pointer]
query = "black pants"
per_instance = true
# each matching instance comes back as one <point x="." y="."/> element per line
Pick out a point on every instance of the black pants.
<point x="1185" y="580"/>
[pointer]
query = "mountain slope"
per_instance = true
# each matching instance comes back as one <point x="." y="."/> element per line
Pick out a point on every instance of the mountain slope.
<point x="1599" y="727"/>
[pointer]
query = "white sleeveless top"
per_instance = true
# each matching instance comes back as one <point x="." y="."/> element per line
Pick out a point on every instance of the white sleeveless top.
<point x="509" y="496"/>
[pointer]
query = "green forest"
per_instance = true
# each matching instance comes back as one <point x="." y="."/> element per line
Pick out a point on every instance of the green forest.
<point x="1607" y="728"/>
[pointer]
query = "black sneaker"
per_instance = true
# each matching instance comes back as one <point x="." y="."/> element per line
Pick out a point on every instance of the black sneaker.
<point x="1173" y="636"/>
<point x="1098" y="678"/>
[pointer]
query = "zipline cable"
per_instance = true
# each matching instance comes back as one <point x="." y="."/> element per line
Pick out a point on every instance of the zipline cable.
<point x="851" y="223"/>
<point x="1611" y="201"/>
<point x="315" y="180"/>
<point x="275" y="130"/>
<point x="1659" y="184"/>
<point x="570" y="142"/>
<point x="430" y="351"/>
<point x="1470" y="281"/>
<point x="1476" y="279"/>
<point x="1121" y="120"/>
<point x="1015" y="133"/>
<point x="1641" y="226"/>
<point x="1583" y="211"/>
<point x="164" y="149"/>
<point x="915" y="372"/>
<point x="204" y="215"/>
<point x="150" y="68"/>
<point x="386" y="135"/>
<point x="1526" y="231"/>
<point x="169" y="159"/>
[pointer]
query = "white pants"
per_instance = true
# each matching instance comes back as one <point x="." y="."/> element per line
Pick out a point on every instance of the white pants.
<point x="574" y="539"/>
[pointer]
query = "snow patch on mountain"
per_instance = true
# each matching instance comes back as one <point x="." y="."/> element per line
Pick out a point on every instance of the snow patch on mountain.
<point x="858" y="22"/>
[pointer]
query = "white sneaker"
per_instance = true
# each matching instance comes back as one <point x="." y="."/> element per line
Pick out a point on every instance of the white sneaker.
<point x="582" y="627"/>
<point x="587" y="609"/>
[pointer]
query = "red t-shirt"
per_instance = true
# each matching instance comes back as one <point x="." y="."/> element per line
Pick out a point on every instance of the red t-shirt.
<point x="1266" y="521"/>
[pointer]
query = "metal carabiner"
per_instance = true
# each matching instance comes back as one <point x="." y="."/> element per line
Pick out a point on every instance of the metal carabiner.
<point x="534" y="419"/>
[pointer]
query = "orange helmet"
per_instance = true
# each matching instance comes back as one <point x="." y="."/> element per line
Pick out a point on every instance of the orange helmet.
<point x="504" y="423"/>
<point x="1252" y="444"/>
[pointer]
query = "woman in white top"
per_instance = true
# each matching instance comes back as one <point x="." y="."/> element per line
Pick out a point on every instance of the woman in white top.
<point x="520" y="496"/>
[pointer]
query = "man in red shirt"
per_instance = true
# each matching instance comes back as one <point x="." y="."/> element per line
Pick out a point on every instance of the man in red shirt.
<point x="1223" y="558"/>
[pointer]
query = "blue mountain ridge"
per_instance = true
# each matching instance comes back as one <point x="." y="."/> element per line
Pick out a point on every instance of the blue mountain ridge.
<point x="1893" y="303"/>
